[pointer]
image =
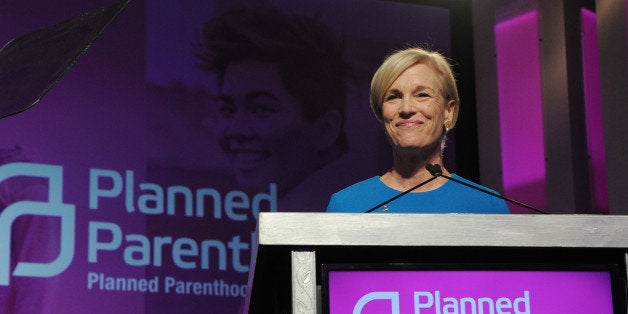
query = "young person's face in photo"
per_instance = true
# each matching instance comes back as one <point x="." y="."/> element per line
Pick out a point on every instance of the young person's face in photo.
<point x="261" y="127"/>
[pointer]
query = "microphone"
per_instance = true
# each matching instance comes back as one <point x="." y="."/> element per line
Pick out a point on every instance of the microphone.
<point x="437" y="171"/>
<point x="403" y="193"/>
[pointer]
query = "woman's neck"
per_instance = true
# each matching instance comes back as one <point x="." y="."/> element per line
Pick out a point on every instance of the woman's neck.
<point x="409" y="170"/>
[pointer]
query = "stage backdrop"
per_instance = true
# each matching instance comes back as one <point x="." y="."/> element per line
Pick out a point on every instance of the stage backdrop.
<point x="134" y="185"/>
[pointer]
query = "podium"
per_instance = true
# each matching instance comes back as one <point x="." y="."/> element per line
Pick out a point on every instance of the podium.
<point x="285" y="274"/>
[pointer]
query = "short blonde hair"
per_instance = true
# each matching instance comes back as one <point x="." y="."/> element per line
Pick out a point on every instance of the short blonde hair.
<point x="401" y="60"/>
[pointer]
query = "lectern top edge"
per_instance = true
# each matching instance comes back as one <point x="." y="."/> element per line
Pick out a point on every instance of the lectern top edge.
<point x="327" y="229"/>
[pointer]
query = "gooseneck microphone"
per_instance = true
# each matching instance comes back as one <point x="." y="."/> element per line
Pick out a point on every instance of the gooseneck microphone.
<point x="402" y="194"/>
<point x="436" y="171"/>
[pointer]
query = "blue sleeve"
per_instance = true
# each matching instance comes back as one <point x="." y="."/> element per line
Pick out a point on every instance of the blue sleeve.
<point x="343" y="202"/>
<point x="503" y="208"/>
<point x="334" y="204"/>
<point x="354" y="198"/>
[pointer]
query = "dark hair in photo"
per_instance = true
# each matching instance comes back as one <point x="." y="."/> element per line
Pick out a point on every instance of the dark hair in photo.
<point x="307" y="53"/>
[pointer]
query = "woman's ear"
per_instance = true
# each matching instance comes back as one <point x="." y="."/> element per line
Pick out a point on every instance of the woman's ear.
<point x="329" y="127"/>
<point x="450" y="109"/>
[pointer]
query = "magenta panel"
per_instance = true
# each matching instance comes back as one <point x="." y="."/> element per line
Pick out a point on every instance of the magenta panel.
<point x="432" y="292"/>
<point x="593" y="110"/>
<point x="520" y="105"/>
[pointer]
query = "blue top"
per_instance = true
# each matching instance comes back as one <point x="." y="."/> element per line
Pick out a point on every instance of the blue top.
<point x="451" y="197"/>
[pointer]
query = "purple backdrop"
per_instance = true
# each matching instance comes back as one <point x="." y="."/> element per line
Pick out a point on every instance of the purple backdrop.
<point x="161" y="223"/>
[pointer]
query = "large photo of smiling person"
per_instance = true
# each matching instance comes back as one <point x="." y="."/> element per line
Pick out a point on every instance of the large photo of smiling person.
<point x="280" y="103"/>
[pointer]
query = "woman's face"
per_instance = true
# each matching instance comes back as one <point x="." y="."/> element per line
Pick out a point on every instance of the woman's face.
<point x="261" y="128"/>
<point x="414" y="109"/>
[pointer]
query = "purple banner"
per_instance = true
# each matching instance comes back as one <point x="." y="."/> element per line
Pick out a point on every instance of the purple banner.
<point x="134" y="185"/>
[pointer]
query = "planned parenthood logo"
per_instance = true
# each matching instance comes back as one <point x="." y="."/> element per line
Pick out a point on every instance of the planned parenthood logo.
<point x="52" y="207"/>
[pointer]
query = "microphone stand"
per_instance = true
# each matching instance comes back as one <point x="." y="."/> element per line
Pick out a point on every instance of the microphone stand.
<point x="401" y="194"/>
<point x="436" y="171"/>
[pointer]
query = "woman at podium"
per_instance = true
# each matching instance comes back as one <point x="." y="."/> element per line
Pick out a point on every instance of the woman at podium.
<point x="414" y="96"/>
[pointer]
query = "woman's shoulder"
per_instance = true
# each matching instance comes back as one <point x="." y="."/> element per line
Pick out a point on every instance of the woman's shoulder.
<point x="477" y="185"/>
<point x="356" y="196"/>
<point x="486" y="200"/>
<point x="364" y="185"/>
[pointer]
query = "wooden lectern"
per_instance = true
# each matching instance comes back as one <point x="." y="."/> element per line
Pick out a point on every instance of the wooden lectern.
<point x="286" y="261"/>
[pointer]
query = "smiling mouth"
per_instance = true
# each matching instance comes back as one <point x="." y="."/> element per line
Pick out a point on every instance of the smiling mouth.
<point x="408" y="124"/>
<point x="246" y="160"/>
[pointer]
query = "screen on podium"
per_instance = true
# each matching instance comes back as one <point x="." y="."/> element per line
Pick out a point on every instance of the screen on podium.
<point x="464" y="288"/>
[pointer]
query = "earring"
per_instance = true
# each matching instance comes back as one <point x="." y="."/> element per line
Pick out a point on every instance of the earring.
<point x="447" y="125"/>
